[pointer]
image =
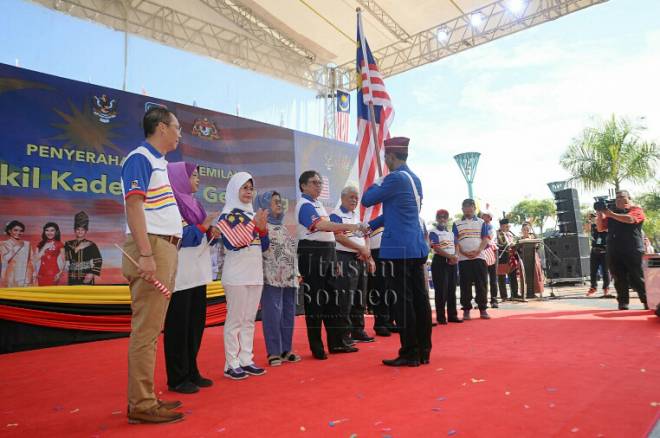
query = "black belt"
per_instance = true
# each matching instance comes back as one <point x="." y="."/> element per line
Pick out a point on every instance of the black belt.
<point x="174" y="240"/>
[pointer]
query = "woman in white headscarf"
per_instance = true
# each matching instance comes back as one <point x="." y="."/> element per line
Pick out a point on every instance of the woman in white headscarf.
<point x="245" y="237"/>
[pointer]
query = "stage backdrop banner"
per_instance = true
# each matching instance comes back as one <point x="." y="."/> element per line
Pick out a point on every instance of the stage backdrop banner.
<point x="62" y="143"/>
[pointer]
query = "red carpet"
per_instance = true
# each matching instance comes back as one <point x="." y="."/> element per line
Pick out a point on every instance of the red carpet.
<point x="570" y="373"/>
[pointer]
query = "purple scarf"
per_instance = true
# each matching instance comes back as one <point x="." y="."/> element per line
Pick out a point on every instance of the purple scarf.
<point x="190" y="208"/>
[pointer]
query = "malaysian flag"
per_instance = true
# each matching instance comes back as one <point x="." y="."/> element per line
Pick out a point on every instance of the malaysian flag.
<point x="343" y="114"/>
<point x="325" y="188"/>
<point x="235" y="229"/>
<point x="371" y="88"/>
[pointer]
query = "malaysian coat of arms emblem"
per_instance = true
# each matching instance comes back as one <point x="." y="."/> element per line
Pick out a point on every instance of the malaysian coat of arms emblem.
<point x="105" y="108"/>
<point x="206" y="129"/>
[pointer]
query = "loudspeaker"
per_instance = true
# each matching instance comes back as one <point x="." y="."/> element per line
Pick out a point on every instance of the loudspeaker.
<point x="567" y="256"/>
<point x="569" y="219"/>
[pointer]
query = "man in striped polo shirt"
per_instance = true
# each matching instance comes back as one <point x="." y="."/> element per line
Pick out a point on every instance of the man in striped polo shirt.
<point x="153" y="233"/>
<point x="472" y="236"/>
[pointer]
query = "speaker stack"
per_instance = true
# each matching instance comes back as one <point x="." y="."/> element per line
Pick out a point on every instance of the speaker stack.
<point x="567" y="254"/>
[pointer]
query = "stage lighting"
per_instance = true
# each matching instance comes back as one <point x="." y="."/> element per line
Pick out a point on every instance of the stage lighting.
<point x="516" y="6"/>
<point x="442" y="35"/>
<point x="476" y="19"/>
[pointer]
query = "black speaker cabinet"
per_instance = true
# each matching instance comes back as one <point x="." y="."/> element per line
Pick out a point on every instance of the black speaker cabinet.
<point x="569" y="219"/>
<point x="567" y="257"/>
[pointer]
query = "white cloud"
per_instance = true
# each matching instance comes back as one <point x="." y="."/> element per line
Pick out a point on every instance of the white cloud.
<point x="522" y="126"/>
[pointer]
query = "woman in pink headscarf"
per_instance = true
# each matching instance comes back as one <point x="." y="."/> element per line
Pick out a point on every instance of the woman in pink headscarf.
<point x="186" y="314"/>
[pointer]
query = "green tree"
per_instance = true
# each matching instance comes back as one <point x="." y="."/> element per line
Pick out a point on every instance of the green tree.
<point x="534" y="211"/>
<point x="650" y="202"/>
<point x="611" y="153"/>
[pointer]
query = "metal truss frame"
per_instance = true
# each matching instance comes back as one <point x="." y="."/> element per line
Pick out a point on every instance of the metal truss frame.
<point x="497" y="21"/>
<point x="253" y="44"/>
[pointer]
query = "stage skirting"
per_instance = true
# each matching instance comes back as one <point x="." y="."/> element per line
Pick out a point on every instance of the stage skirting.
<point x="37" y="317"/>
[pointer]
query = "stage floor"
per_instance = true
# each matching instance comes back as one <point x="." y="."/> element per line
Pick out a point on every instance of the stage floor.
<point x="554" y="368"/>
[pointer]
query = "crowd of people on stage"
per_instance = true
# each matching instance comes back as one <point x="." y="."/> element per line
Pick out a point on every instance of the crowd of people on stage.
<point x="44" y="263"/>
<point x="338" y="267"/>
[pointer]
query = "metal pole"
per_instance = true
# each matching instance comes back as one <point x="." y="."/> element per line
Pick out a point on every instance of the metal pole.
<point x="372" y="112"/>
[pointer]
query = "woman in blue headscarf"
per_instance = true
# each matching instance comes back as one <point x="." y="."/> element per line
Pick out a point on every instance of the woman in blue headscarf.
<point x="278" y="299"/>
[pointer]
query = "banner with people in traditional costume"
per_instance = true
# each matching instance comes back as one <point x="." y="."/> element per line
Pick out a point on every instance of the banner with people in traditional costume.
<point x="61" y="149"/>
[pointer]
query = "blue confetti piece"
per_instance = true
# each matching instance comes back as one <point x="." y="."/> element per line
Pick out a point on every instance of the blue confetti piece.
<point x="452" y="432"/>
<point x="331" y="423"/>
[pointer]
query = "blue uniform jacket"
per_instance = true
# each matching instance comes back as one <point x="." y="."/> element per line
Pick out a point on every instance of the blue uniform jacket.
<point x="403" y="237"/>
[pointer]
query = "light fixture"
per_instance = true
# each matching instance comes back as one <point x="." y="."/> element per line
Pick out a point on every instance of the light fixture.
<point x="476" y="19"/>
<point x="516" y="6"/>
<point x="442" y="35"/>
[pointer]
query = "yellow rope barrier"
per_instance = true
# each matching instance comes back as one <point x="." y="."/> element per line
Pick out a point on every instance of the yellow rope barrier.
<point x="334" y="26"/>
<point x="85" y="294"/>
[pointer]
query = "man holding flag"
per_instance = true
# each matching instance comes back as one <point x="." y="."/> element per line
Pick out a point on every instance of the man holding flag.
<point x="403" y="247"/>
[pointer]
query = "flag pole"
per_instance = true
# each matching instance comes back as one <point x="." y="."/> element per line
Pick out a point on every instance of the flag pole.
<point x="372" y="112"/>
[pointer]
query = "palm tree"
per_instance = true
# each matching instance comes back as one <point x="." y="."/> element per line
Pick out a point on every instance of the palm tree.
<point x="610" y="154"/>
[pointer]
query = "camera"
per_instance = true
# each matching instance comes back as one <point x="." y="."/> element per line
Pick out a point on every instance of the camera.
<point x="603" y="203"/>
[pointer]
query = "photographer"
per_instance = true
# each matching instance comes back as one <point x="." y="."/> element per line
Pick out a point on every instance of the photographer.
<point x="625" y="246"/>
<point x="598" y="258"/>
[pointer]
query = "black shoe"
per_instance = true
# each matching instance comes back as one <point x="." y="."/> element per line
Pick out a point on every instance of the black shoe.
<point x="320" y="356"/>
<point x="494" y="305"/>
<point x="646" y="306"/>
<point x="394" y="329"/>
<point x="363" y="337"/>
<point x="623" y="307"/>
<point x="454" y="319"/>
<point x="401" y="362"/>
<point x="442" y="321"/>
<point x="382" y="331"/>
<point x="424" y="359"/>
<point x="185" y="388"/>
<point x="434" y="324"/>
<point x="203" y="382"/>
<point x="344" y="349"/>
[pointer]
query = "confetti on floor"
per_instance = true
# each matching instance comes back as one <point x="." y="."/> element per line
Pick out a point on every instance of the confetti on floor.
<point x="655" y="404"/>
<point x="507" y="393"/>
<point x="436" y="409"/>
<point x="74" y="411"/>
<point x="302" y="428"/>
<point x="222" y="429"/>
<point x="477" y="380"/>
<point x="12" y="424"/>
<point x="575" y="429"/>
<point x="188" y="412"/>
<point x="441" y="398"/>
<point x="551" y="405"/>
<point x="439" y="369"/>
<point x="353" y="435"/>
<point x="452" y="432"/>
<point x="551" y="389"/>
<point x="643" y="370"/>
<point x="526" y="406"/>
<point x="116" y="412"/>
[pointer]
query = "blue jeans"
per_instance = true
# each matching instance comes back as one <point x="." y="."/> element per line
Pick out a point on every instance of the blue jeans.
<point x="278" y="309"/>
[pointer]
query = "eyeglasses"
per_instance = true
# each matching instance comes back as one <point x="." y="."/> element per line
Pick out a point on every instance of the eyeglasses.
<point x="316" y="182"/>
<point x="178" y="127"/>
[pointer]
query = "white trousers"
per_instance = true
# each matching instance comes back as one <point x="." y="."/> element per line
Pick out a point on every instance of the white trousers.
<point x="242" y="306"/>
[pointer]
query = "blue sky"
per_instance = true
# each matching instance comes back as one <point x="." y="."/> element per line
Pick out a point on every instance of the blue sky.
<point x="518" y="100"/>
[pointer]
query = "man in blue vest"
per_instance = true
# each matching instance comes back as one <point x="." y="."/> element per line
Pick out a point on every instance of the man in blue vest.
<point x="404" y="250"/>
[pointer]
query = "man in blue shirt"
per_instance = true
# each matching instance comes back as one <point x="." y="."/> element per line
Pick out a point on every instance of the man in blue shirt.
<point x="405" y="251"/>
